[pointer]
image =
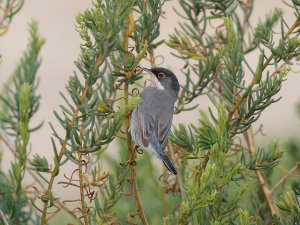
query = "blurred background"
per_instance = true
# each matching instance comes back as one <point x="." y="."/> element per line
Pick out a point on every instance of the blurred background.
<point x="56" y="20"/>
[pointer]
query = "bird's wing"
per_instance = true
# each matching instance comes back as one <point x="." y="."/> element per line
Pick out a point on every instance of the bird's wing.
<point x="163" y="128"/>
<point x="154" y="114"/>
<point x="145" y="126"/>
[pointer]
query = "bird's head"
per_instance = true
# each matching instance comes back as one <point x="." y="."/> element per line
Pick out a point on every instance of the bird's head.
<point x="164" y="79"/>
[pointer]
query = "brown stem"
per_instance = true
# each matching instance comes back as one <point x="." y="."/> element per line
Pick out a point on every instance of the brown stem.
<point x="132" y="179"/>
<point x="10" y="148"/>
<point x="3" y="219"/>
<point x="179" y="176"/>
<point x="6" y="12"/>
<point x="240" y="100"/>
<point x="152" y="58"/>
<point x="61" y="153"/>
<point x="248" y="136"/>
<point x="84" y="209"/>
<point x="99" y="61"/>
<point x="203" y="164"/>
<point x="36" y="179"/>
<point x="260" y="177"/>
<point x="284" y="178"/>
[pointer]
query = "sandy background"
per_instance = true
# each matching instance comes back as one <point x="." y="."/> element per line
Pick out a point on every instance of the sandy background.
<point x="56" y="21"/>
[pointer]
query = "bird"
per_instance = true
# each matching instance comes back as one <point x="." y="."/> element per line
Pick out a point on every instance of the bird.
<point x="152" y="119"/>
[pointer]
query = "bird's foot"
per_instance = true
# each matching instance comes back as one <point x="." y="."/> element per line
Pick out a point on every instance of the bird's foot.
<point x="131" y="162"/>
<point x="138" y="150"/>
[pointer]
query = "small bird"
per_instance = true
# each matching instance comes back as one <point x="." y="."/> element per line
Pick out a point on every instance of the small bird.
<point x="152" y="119"/>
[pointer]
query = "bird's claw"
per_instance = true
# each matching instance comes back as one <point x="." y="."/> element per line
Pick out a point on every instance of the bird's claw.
<point x="131" y="162"/>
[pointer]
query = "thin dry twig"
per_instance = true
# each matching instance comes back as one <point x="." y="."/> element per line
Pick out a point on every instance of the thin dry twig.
<point x="284" y="178"/>
<point x="7" y="12"/>
<point x="84" y="209"/>
<point x="260" y="177"/>
<point x="36" y="179"/>
<point x="3" y="218"/>
<point x="179" y="176"/>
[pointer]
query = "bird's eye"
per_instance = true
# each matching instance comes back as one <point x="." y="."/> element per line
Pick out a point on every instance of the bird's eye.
<point x="161" y="75"/>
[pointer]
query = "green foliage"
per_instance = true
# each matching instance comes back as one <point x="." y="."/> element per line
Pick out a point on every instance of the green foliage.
<point x="265" y="160"/>
<point x="263" y="31"/>
<point x="290" y="205"/>
<point x="183" y="137"/>
<point x="39" y="163"/>
<point x="243" y="100"/>
<point x="19" y="103"/>
<point x="223" y="177"/>
<point x="24" y="73"/>
<point x="205" y="194"/>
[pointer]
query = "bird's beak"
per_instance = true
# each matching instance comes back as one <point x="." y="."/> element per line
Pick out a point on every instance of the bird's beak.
<point x="148" y="70"/>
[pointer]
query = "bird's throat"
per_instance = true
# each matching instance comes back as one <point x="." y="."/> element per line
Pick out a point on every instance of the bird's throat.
<point x="155" y="83"/>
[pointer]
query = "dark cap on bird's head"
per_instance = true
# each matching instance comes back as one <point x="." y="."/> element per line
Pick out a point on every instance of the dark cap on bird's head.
<point x="166" y="78"/>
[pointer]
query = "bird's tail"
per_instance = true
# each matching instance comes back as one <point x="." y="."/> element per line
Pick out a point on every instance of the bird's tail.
<point x="167" y="162"/>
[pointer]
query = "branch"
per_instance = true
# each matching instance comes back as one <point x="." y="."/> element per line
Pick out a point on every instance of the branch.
<point x="254" y="80"/>
<point x="6" y="13"/>
<point x="84" y="209"/>
<point x="288" y="33"/>
<point x="36" y="179"/>
<point x="54" y="173"/>
<point x="203" y="165"/>
<point x="260" y="177"/>
<point x="179" y="176"/>
<point x="132" y="179"/>
<point x="4" y="220"/>
<point x="283" y="179"/>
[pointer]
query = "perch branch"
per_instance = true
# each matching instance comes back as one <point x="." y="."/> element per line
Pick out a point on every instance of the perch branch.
<point x="260" y="177"/>
<point x="132" y="179"/>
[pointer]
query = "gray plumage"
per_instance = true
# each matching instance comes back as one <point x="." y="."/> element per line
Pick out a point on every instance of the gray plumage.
<point x="152" y="120"/>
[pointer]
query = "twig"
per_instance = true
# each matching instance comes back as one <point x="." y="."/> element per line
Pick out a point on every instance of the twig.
<point x="81" y="188"/>
<point x="84" y="209"/>
<point x="253" y="82"/>
<point x="3" y="218"/>
<point x="288" y="33"/>
<point x="283" y="179"/>
<point x="260" y="177"/>
<point x="179" y="176"/>
<point x="240" y="100"/>
<point x="10" y="148"/>
<point x="6" y="13"/>
<point x="36" y="179"/>
<point x="203" y="165"/>
<point x="152" y="58"/>
<point x="248" y="136"/>
<point x="61" y="153"/>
